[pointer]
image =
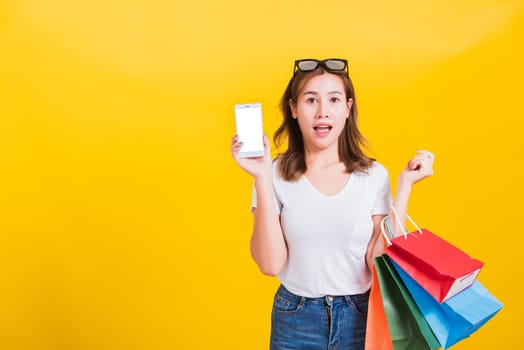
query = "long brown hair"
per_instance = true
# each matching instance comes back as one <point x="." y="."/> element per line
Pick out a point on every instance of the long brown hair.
<point x="350" y="142"/>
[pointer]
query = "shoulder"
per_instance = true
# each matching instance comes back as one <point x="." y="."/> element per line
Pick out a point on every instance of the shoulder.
<point x="376" y="170"/>
<point x="276" y="170"/>
<point x="279" y="182"/>
<point x="376" y="176"/>
<point x="276" y="164"/>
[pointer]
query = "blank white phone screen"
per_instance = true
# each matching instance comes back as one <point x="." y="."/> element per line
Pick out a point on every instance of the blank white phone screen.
<point x="249" y="129"/>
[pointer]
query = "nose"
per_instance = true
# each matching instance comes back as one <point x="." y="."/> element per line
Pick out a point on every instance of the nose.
<point x="322" y="110"/>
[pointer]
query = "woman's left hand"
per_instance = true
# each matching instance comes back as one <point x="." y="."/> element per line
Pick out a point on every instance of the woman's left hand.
<point x="418" y="168"/>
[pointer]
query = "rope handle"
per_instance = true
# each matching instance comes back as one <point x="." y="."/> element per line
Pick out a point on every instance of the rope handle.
<point x="404" y="229"/>
<point x="382" y="224"/>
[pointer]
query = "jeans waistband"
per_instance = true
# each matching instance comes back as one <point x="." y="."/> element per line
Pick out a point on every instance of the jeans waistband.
<point x="327" y="299"/>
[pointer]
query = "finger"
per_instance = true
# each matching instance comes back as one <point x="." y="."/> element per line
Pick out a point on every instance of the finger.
<point x="235" y="142"/>
<point x="235" y="149"/>
<point x="416" y="159"/>
<point x="421" y="156"/>
<point x="419" y="159"/>
<point x="422" y="163"/>
<point x="266" y="143"/>
<point x="415" y="164"/>
<point x="423" y="167"/>
<point x="426" y="153"/>
<point x="237" y="146"/>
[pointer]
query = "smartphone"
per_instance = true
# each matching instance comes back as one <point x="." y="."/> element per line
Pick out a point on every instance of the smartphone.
<point x="248" y="117"/>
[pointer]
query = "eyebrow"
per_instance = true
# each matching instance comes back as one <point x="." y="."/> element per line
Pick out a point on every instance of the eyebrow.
<point x="316" y="93"/>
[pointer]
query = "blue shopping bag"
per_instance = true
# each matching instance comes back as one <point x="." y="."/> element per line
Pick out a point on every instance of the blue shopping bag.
<point x="458" y="317"/>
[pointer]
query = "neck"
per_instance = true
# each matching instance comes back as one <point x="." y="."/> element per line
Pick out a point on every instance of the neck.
<point x="321" y="158"/>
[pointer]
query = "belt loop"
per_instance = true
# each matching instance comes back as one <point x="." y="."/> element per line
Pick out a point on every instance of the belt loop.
<point x="302" y="301"/>
<point x="348" y="300"/>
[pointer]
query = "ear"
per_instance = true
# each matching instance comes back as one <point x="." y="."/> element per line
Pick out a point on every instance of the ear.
<point x="293" y="107"/>
<point x="349" y="105"/>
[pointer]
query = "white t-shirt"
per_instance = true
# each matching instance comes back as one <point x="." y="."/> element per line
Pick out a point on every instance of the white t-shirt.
<point x="327" y="236"/>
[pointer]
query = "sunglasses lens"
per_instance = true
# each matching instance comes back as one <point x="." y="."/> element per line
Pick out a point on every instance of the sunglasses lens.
<point x="331" y="64"/>
<point x="307" y="65"/>
<point x="335" y="64"/>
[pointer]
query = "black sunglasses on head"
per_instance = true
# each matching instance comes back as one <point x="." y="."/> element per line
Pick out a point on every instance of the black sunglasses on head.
<point x="330" y="64"/>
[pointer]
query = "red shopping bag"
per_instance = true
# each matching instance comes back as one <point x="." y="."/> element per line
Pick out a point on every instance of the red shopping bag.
<point x="377" y="330"/>
<point x="442" y="269"/>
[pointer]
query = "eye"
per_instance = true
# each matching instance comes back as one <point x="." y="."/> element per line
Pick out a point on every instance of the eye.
<point x="311" y="100"/>
<point x="334" y="99"/>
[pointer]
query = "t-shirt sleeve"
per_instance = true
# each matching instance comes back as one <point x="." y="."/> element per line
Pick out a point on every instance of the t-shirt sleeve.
<point x="278" y="204"/>
<point x="383" y="198"/>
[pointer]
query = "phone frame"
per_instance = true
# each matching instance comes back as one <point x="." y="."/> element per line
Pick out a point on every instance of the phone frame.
<point x="259" y="151"/>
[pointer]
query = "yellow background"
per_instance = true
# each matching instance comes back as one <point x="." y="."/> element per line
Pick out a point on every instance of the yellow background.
<point x="124" y="222"/>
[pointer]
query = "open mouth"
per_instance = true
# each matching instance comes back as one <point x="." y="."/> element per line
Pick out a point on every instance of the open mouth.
<point x="322" y="128"/>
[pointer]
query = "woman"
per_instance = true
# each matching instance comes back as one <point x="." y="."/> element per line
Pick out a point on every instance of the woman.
<point x="317" y="211"/>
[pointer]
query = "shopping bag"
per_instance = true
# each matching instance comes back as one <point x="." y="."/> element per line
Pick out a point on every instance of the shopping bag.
<point x="377" y="330"/>
<point x="408" y="328"/>
<point x="459" y="316"/>
<point x="438" y="266"/>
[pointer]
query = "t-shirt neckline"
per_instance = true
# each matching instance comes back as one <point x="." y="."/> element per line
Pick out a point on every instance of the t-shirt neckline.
<point x="316" y="190"/>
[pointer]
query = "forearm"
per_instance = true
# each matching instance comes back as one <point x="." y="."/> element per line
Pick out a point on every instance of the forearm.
<point x="376" y="244"/>
<point x="418" y="168"/>
<point x="268" y="247"/>
<point x="401" y="206"/>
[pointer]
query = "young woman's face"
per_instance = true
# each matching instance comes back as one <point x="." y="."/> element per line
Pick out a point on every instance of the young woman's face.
<point x="321" y="111"/>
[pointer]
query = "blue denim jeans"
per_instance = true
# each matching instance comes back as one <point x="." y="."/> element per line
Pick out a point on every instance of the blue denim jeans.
<point x="327" y="323"/>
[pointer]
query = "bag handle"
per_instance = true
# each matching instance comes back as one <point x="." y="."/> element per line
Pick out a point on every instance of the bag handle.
<point x="404" y="229"/>
<point x="382" y="224"/>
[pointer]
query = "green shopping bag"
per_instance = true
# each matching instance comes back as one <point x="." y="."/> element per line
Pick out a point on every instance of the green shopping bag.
<point x="408" y="327"/>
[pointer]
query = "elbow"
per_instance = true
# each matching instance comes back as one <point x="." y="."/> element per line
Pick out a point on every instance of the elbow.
<point x="270" y="268"/>
<point x="269" y="264"/>
<point x="269" y="271"/>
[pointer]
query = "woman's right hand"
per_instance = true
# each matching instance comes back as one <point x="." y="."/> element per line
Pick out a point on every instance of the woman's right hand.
<point x="259" y="167"/>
